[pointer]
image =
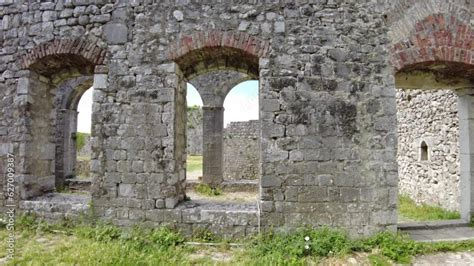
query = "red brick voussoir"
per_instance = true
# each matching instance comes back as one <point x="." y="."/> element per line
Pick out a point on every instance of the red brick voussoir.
<point x="237" y="40"/>
<point x="87" y="50"/>
<point x="437" y="38"/>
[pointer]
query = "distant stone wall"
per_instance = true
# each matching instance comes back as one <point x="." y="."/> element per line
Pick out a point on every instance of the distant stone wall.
<point x="194" y="131"/>
<point x="241" y="146"/>
<point x="430" y="117"/>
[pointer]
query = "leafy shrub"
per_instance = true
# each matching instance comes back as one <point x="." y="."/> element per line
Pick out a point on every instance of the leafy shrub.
<point x="26" y="221"/>
<point x="205" y="189"/>
<point x="99" y="232"/>
<point x="203" y="235"/>
<point x="325" y="242"/>
<point x="291" y="248"/>
<point x="397" y="247"/>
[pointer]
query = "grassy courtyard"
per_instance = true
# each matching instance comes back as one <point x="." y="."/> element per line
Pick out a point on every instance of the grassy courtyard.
<point x="99" y="244"/>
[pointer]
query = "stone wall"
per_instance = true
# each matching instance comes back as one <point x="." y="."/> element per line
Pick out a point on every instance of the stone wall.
<point x="241" y="150"/>
<point x="432" y="117"/>
<point x="327" y="99"/>
<point x="194" y="131"/>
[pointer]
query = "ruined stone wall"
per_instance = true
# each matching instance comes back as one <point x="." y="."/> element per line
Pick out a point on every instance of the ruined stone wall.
<point x="432" y="117"/>
<point x="194" y="131"/>
<point x="327" y="103"/>
<point x="241" y="150"/>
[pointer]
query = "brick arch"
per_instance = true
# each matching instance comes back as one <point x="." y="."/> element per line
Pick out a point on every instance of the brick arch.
<point x="50" y="57"/>
<point x="439" y="43"/>
<point x="203" y="52"/>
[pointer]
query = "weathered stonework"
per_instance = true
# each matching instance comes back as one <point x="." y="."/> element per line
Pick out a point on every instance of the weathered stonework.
<point x="430" y="117"/>
<point x="241" y="150"/>
<point x="327" y="101"/>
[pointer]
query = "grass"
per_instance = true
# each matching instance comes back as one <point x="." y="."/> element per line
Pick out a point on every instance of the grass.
<point x="81" y="140"/>
<point x="194" y="163"/>
<point x="409" y="209"/>
<point x="206" y="190"/>
<point x="102" y="244"/>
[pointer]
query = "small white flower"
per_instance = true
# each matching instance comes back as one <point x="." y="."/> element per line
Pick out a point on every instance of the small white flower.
<point x="306" y="238"/>
<point x="306" y="246"/>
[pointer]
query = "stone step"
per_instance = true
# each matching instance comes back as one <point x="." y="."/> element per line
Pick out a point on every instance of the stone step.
<point x="441" y="234"/>
<point x="75" y="184"/>
<point x="54" y="206"/>
<point x="432" y="224"/>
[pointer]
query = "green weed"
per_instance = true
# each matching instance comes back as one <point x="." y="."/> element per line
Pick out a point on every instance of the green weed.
<point x="206" y="190"/>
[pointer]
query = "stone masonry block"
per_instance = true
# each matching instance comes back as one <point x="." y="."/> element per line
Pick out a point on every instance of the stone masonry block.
<point x="115" y="33"/>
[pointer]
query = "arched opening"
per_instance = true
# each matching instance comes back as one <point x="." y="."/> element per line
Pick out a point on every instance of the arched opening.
<point x="55" y="84"/>
<point x="435" y="93"/>
<point x="68" y="140"/>
<point x="78" y="176"/>
<point x="213" y="71"/>
<point x="229" y="156"/>
<point x="423" y="151"/>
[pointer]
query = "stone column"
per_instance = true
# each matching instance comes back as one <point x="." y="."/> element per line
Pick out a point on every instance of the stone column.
<point x="466" y="145"/>
<point x="65" y="145"/>
<point x="212" y="133"/>
<point x="70" y="142"/>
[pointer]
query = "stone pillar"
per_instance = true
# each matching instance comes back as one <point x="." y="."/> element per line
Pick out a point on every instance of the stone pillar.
<point x="65" y="145"/>
<point x="70" y="143"/>
<point x="212" y="133"/>
<point x="466" y="145"/>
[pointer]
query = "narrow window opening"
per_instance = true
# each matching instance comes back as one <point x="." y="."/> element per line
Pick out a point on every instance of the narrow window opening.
<point x="423" y="151"/>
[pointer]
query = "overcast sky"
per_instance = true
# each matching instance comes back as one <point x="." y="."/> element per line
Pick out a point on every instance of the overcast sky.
<point x="241" y="104"/>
